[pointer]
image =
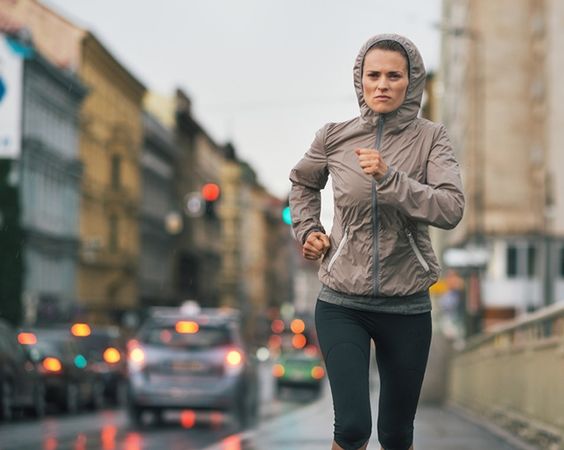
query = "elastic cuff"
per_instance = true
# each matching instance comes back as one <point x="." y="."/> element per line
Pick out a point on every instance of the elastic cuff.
<point x="308" y="232"/>
<point x="387" y="175"/>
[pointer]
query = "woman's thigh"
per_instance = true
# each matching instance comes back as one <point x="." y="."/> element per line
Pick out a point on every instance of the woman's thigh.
<point x="345" y="345"/>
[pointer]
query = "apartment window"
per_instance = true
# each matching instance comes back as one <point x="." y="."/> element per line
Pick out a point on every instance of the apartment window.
<point x="113" y="233"/>
<point x="116" y="171"/>
<point x="531" y="261"/>
<point x="521" y="260"/>
<point x="512" y="263"/>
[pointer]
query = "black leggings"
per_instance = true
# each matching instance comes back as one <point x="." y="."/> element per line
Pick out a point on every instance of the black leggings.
<point x="402" y="347"/>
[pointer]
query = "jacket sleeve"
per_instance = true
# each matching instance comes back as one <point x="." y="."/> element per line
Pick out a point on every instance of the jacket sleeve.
<point x="308" y="177"/>
<point x="438" y="202"/>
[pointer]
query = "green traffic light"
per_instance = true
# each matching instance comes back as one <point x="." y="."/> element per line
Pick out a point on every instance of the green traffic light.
<point x="286" y="216"/>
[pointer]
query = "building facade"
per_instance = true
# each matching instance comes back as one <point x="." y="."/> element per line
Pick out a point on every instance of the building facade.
<point x="50" y="177"/>
<point x="501" y="102"/>
<point x="110" y="150"/>
<point x="110" y="145"/>
<point x="161" y="220"/>
<point x="40" y="184"/>
<point x="198" y="265"/>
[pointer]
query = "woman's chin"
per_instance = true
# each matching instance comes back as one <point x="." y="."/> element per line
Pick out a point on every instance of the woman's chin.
<point x="381" y="109"/>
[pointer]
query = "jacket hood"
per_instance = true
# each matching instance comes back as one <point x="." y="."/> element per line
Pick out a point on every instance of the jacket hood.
<point x="400" y="118"/>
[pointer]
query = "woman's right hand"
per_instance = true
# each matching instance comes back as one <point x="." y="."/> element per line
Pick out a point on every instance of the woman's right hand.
<point x="316" y="245"/>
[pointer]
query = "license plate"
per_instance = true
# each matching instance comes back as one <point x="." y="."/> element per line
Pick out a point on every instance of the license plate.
<point x="297" y="375"/>
<point x="188" y="366"/>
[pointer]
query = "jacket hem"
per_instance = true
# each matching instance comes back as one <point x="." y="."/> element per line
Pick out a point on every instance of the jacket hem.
<point x="417" y="303"/>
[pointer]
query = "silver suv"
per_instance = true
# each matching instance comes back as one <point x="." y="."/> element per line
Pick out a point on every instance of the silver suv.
<point x="191" y="359"/>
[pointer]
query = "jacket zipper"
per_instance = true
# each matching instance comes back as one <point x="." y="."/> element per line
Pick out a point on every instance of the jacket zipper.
<point x="375" y="217"/>
<point x="338" y="252"/>
<point x="416" y="250"/>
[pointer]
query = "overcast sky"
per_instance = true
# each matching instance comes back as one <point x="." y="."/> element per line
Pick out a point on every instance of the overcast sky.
<point x="262" y="74"/>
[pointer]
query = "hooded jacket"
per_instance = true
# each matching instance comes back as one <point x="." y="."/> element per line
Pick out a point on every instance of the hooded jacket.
<point x="380" y="245"/>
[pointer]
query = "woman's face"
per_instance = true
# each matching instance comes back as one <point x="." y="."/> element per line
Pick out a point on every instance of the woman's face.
<point x="384" y="80"/>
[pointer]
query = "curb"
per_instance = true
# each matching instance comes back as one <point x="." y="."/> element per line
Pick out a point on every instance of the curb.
<point x="488" y="426"/>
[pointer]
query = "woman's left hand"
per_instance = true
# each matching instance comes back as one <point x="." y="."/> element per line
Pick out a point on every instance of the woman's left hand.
<point x="371" y="162"/>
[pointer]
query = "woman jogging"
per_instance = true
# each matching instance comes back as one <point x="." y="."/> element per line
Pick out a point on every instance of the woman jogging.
<point x="393" y="174"/>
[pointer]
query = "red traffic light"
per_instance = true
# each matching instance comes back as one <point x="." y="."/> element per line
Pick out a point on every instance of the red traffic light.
<point x="210" y="192"/>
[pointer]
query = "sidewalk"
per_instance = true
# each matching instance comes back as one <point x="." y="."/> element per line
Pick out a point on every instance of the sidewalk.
<point x="310" y="428"/>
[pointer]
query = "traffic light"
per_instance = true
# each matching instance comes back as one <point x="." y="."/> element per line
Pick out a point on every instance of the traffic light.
<point x="287" y="216"/>
<point x="286" y="213"/>
<point x="210" y="194"/>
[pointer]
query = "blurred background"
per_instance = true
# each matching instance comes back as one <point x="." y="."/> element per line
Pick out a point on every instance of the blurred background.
<point x="144" y="157"/>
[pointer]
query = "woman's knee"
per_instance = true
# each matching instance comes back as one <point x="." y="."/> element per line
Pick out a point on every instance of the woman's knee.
<point x="353" y="433"/>
<point x="400" y="439"/>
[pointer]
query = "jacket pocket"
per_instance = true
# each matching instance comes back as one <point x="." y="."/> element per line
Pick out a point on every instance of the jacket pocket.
<point x="337" y="252"/>
<point x="416" y="250"/>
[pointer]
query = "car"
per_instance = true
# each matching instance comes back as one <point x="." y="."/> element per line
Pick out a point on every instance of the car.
<point x="105" y="350"/>
<point x="299" y="363"/>
<point x="192" y="359"/>
<point x="69" y="382"/>
<point x="299" y="369"/>
<point x="21" y="385"/>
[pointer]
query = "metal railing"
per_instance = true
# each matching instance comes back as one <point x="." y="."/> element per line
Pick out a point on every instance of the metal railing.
<point x="513" y="376"/>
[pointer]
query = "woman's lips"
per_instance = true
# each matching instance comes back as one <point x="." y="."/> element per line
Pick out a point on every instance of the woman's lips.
<point x="382" y="97"/>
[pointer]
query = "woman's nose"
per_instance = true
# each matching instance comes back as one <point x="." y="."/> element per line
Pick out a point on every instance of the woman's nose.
<point x="382" y="85"/>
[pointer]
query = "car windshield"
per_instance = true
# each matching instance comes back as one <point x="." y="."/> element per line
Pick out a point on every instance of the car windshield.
<point x="205" y="337"/>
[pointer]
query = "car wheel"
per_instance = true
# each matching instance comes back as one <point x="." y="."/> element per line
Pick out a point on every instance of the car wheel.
<point x="278" y="390"/>
<point x="39" y="402"/>
<point x="120" y="395"/>
<point x="6" y="401"/>
<point x="158" y="417"/>
<point x="71" y="401"/>
<point x="135" y="414"/>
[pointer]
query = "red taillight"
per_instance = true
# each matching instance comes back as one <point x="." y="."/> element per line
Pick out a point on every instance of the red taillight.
<point x="27" y="338"/>
<point x="278" y="370"/>
<point x="188" y="418"/>
<point x="317" y="372"/>
<point x="112" y="355"/>
<point x="277" y="326"/>
<point x="52" y="364"/>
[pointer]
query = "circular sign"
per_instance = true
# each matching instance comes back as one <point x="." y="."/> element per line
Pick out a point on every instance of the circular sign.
<point x="193" y="204"/>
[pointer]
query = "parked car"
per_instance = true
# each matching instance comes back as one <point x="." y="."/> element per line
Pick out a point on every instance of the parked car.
<point x="192" y="359"/>
<point x="106" y="353"/>
<point x="69" y="381"/>
<point x="21" y="386"/>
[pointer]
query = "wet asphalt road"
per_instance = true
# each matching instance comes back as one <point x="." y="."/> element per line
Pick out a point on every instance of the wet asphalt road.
<point x="109" y="429"/>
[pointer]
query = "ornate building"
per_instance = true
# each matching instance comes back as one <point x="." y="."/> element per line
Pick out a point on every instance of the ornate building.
<point x="110" y="149"/>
